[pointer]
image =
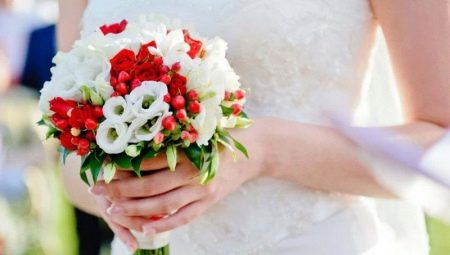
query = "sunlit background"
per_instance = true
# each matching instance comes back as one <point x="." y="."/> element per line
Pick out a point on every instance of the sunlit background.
<point x="35" y="217"/>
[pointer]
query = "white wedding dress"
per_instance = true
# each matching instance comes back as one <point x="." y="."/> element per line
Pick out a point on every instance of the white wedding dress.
<point x="292" y="54"/>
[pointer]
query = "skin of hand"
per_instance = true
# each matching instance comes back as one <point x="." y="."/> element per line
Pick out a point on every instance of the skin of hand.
<point x="175" y="198"/>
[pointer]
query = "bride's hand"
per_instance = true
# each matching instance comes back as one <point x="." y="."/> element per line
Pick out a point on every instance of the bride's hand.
<point x="178" y="194"/>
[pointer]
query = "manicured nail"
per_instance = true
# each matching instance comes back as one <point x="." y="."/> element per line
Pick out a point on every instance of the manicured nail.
<point x="149" y="231"/>
<point x="115" y="210"/>
<point x="132" y="246"/>
<point x="97" y="190"/>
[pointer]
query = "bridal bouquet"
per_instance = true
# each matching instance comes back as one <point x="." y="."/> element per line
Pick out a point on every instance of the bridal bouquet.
<point x="130" y="90"/>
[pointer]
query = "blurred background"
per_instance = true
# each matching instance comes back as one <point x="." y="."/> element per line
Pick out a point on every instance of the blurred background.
<point x="35" y="217"/>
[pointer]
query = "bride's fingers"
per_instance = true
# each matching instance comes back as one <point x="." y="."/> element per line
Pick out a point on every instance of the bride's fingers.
<point x="146" y="186"/>
<point x="164" y="204"/>
<point x="124" y="235"/>
<point x="134" y="223"/>
<point x="180" y="218"/>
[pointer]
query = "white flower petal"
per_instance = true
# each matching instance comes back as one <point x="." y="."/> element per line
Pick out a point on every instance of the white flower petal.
<point x="113" y="137"/>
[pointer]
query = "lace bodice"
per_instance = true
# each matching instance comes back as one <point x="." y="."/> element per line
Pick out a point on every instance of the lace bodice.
<point x="290" y="54"/>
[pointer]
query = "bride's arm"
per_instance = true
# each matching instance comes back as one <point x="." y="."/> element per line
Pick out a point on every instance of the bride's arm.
<point x="69" y="22"/>
<point x="418" y="38"/>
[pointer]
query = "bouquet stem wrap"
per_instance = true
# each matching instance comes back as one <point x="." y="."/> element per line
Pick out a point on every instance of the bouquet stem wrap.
<point x="152" y="245"/>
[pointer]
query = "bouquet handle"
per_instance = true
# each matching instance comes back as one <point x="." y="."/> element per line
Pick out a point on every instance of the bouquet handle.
<point x="157" y="244"/>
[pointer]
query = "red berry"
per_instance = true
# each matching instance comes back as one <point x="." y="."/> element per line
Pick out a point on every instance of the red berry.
<point x="176" y="67"/>
<point x="75" y="141"/>
<point x="239" y="94"/>
<point x="90" y="124"/>
<point x="158" y="61"/>
<point x="84" y="144"/>
<point x="167" y="98"/>
<point x="169" y="123"/>
<point x="192" y="95"/>
<point x="181" y="115"/>
<point x="90" y="136"/>
<point x="159" y="138"/>
<point x="98" y="111"/>
<point x="82" y="151"/>
<point x="115" y="94"/>
<point x="164" y="69"/>
<point x="123" y="76"/>
<point x="193" y="136"/>
<point x="190" y="128"/>
<point x="227" y="96"/>
<point x="165" y="79"/>
<point x="178" y="102"/>
<point x="61" y="124"/>
<point x="185" y="135"/>
<point x="194" y="107"/>
<point x="135" y="83"/>
<point x="237" y="109"/>
<point x="122" y="88"/>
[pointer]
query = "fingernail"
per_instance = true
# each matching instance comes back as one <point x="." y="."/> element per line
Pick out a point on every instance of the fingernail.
<point x="115" y="210"/>
<point x="149" y="231"/>
<point x="97" y="190"/>
<point x="131" y="246"/>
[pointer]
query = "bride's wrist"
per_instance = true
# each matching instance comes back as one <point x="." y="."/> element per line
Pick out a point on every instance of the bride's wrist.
<point x="260" y="146"/>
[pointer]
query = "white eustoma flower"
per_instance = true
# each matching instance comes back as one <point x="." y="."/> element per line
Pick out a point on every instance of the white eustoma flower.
<point x="148" y="99"/>
<point x="113" y="137"/>
<point x="170" y="44"/>
<point x="146" y="129"/>
<point x="63" y="83"/>
<point x="208" y="82"/>
<point x="118" y="110"/>
<point x="207" y="121"/>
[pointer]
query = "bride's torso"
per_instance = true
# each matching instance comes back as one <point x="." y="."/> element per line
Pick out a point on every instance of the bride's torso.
<point x="291" y="54"/>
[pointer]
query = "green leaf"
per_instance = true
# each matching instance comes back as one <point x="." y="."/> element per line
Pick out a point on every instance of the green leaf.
<point x="137" y="161"/>
<point x="122" y="160"/>
<point x="96" y="163"/>
<point x="227" y="111"/>
<point x="41" y="122"/>
<point x="51" y="132"/>
<point x="65" y="153"/>
<point x="171" y="154"/>
<point x="83" y="176"/>
<point x="240" y="147"/>
<point x="151" y="153"/>
<point x="85" y="163"/>
<point x="109" y="171"/>
<point x="194" y="154"/>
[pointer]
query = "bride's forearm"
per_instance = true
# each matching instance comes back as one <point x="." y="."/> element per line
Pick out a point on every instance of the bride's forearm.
<point x="317" y="157"/>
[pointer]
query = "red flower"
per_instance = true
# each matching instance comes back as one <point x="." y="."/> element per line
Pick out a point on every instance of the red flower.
<point x="123" y="61"/>
<point x="177" y="85"/>
<point x="115" y="28"/>
<point x="146" y="72"/>
<point x="66" y="141"/>
<point x="60" y="122"/>
<point x="195" y="45"/>
<point x="62" y="107"/>
<point x="144" y="54"/>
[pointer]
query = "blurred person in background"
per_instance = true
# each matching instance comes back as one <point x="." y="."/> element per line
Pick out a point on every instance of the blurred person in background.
<point x="5" y="75"/>
<point x="15" y="29"/>
<point x="41" y="49"/>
